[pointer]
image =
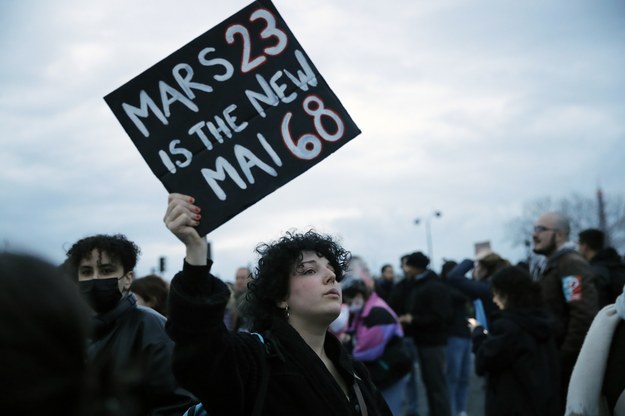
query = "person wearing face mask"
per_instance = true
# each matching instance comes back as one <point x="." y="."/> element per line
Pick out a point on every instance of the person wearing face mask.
<point x="128" y="343"/>
<point x="376" y="340"/>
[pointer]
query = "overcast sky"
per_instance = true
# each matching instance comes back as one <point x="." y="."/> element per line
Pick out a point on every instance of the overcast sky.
<point x="471" y="108"/>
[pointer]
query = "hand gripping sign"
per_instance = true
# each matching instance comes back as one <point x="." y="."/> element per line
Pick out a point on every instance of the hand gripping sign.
<point x="233" y="115"/>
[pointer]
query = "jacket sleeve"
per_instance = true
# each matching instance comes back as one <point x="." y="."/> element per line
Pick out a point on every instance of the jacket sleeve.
<point x="221" y="368"/>
<point x="373" y="333"/>
<point x="460" y="270"/>
<point x="580" y="295"/>
<point x="164" y="395"/>
<point x="472" y="288"/>
<point x="497" y="349"/>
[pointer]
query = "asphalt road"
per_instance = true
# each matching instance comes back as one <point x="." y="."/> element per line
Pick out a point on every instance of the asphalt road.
<point x="475" y="402"/>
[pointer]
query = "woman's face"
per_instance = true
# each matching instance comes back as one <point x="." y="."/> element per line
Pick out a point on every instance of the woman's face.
<point x="314" y="294"/>
<point x="499" y="300"/>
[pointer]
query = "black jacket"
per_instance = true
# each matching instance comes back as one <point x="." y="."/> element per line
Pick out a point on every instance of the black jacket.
<point x="226" y="369"/>
<point x="574" y="307"/>
<point x="609" y="277"/>
<point x="428" y="300"/>
<point x="131" y="346"/>
<point x="519" y="357"/>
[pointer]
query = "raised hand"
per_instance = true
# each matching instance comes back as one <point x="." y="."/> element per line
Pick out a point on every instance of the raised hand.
<point x="181" y="218"/>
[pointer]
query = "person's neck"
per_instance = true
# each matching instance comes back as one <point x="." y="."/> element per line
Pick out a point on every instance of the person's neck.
<point x="313" y="334"/>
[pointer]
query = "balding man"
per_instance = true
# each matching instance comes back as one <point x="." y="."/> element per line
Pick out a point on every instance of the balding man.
<point x="567" y="288"/>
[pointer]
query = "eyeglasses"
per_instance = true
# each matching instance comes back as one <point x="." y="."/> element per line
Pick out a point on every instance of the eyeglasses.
<point x="541" y="228"/>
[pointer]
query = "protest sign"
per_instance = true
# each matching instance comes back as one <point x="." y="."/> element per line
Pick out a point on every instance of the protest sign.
<point x="233" y="115"/>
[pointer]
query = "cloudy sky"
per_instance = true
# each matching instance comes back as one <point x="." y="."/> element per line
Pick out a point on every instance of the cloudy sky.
<point x="471" y="108"/>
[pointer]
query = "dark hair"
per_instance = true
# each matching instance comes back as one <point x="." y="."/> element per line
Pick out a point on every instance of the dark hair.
<point x="447" y="267"/>
<point x="385" y="267"/>
<point x="352" y="286"/>
<point x="153" y="289"/>
<point x="117" y="246"/>
<point x="270" y="282"/>
<point x="593" y="238"/>
<point x="44" y="326"/>
<point x="515" y="284"/>
<point x="418" y="260"/>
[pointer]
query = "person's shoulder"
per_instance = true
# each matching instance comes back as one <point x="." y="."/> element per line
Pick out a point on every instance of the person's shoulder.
<point x="150" y="314"/>
<point x="149" y="319"/>
<point x="504" y="322"/>
<point x="379" y="315"/>
<point x="570" y="256"/>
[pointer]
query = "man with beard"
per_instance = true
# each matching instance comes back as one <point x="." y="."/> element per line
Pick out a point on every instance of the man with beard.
<point x="567" y="288"/>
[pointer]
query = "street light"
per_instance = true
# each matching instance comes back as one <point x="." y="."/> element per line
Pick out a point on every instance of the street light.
<point x="428" y="233"/>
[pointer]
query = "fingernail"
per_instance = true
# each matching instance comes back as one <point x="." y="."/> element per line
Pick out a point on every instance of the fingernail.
<point x="198" y="216"/>
<point x="197" y="209"/>
<point x="191" y="200"/>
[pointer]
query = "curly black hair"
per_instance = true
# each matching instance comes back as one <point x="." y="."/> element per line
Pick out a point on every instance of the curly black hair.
<point x="117" y="246"/>
<point x="270" y="280"/>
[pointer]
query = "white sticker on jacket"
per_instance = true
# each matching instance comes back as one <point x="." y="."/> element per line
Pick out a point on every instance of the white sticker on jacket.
<point x="572" y="288"/>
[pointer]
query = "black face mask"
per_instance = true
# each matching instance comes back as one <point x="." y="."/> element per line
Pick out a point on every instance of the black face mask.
<point x="102" y="294"/>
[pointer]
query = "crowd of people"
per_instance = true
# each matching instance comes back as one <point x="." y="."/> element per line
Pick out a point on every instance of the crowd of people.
<point x="310" y="331"/>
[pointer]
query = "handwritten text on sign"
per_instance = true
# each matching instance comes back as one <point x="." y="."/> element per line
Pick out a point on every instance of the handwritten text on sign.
<point x="233" y="115"/>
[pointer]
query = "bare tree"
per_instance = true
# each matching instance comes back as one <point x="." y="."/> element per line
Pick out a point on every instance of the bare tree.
<point x="582" y="211"/>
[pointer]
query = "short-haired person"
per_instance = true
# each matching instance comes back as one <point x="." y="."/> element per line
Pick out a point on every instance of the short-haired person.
<point x="384" y="284"/>
<point x="151" y="291"/>
<point x="518" y="354"/>
<point x="567" y="288"/>
<point x="289" y="364"/>
<point x="128" y="340"/>
<point x="606" y="263"/>
<point x="426" y="313"/>
<point x="242" y="277"/>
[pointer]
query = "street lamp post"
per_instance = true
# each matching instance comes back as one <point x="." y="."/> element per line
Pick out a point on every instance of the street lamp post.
<point x="428" y="232"/>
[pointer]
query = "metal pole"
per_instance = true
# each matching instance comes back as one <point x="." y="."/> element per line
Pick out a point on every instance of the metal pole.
<point x="428" y="236"/>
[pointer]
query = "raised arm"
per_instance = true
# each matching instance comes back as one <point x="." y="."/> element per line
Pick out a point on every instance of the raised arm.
<point x="219" y="367"/>
<point x="181" y="218"/>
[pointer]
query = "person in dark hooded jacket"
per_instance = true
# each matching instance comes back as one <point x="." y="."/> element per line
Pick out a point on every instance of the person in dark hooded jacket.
<point x="518" y="356"/>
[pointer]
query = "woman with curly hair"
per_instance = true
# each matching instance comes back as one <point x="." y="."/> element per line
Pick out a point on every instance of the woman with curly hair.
<point x="289" y="364"/>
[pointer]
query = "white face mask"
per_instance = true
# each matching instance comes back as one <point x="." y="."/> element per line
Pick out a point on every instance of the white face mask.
<point x="341" y="321"/>
<point x="356" y="306"/>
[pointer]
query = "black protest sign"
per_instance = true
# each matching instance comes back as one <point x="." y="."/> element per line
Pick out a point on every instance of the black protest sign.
<point x="233" y="115"/>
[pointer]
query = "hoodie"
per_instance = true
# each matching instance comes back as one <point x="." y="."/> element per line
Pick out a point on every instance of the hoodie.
<point x="519" y="359"/>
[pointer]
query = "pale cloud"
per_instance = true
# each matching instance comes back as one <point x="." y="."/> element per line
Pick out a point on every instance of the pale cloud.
<point x="471" y="108"/>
